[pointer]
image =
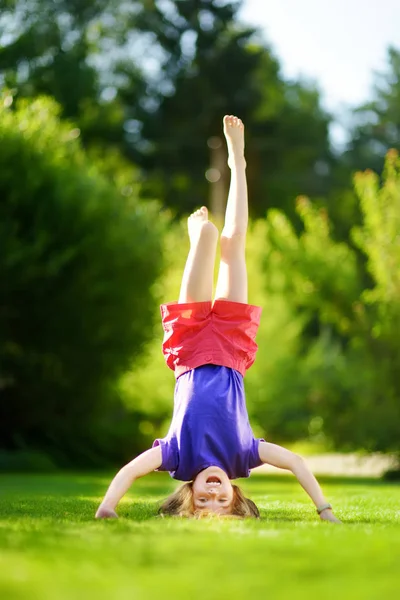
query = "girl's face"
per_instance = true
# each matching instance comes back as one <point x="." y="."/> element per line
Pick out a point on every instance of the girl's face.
<point x="212" y="491"/>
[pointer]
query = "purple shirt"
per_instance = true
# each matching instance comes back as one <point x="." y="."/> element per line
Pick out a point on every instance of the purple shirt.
<point x="210" y="426"/>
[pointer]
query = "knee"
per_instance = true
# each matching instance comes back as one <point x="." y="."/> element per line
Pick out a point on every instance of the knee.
<point x="232" y="245"/>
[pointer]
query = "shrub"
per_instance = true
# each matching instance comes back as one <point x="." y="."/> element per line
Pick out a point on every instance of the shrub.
<point x="347" y="354"/>
<point x="78" y="260"/>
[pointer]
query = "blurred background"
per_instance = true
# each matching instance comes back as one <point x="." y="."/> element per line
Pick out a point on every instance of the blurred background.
<point x="110" y="134"/>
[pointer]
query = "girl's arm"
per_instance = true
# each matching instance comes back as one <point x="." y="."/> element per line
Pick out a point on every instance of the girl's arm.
<point x="285" y="459"/>
<point x="141" y="465"/>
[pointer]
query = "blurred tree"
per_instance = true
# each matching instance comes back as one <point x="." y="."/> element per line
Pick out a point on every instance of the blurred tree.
<point x="213" y="65"/>
<point x="78" y="259"/>
<point x="344" y="379"/>
<point x="292" y="151"/>
<point x="378" y="122"/>
<point x="376" y="129"/>
<point x="154" y="78"/>
<point x="66" y="49"/>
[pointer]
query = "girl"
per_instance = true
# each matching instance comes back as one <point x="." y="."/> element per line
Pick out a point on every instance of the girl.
<point x="210" y="346"/>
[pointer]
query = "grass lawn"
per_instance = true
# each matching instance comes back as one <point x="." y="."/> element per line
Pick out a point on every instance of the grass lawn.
<point x="52" y="548"/>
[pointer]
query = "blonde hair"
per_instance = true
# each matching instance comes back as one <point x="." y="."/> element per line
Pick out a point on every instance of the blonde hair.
<point x="181" y="504"/>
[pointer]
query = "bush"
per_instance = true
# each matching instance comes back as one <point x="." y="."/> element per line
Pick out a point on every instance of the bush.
<point x="78" y="260"/>
<point x="148" y="386"/>
<point x="346" y="358"/>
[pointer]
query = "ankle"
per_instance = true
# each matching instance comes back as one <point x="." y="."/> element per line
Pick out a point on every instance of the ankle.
<point x="236" y="161"/>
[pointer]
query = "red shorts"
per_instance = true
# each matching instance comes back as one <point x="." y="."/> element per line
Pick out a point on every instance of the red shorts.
<point x="199" y="333"/>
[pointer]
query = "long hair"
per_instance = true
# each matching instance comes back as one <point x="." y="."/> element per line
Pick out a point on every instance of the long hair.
<point x="181" y="504"/>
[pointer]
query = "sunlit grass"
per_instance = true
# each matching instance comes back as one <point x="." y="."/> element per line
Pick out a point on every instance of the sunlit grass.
<point x="51" y="547"/>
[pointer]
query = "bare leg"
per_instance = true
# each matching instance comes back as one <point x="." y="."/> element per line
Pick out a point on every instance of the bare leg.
<point x="197" y="280"/>
<point x="232" y="277"/>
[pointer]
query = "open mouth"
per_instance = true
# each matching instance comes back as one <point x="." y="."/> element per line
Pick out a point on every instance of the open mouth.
<point x="213" y="480"/>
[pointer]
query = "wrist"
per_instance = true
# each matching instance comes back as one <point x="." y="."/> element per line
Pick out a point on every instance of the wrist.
<point x="322" y="507"/>
<point x="108" y="505"/>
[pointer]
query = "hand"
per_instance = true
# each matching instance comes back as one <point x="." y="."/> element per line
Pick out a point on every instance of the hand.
<point x="327" y="515"/>
<point x="106" y="513"/>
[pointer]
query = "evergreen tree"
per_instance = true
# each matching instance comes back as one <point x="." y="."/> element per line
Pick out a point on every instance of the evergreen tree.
<point x="378" y="121"/>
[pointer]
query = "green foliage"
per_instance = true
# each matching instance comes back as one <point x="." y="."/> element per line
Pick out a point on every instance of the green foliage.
<point x="225" y="67"/>
<point x="379" y="237"/>
<point x="79" y="256"/>
<point x="377" y="122"/>
<point x="348" y="354"/>
<point x="328" y="355"/>
<point x="131" y="73"/>
<point x="278" y="340"/>
<point x="62" y="49"/>
<point x="375" y="129"/>
<point x="148" y="387"/>
<point x="51" y="547"/>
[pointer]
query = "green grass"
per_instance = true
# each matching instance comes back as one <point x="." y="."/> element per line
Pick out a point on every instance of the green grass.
<point x="52" y="548"/>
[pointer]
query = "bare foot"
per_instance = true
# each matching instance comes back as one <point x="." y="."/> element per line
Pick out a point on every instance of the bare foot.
<point x="234" y="134"/>
<point x="106" y="513"/>
<point x="198" y="224"/>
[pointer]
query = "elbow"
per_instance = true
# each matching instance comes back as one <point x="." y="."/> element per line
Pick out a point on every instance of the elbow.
<point x="297" y="463"/>
<point x="127" y="474"/>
